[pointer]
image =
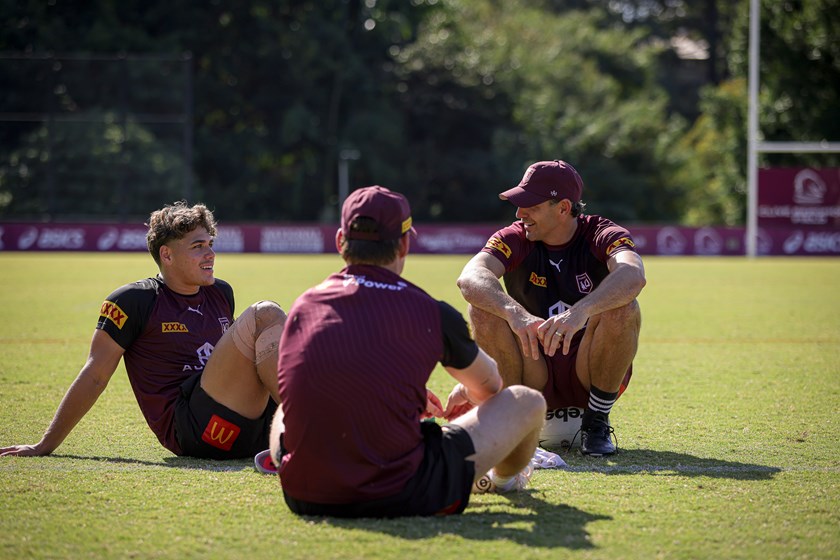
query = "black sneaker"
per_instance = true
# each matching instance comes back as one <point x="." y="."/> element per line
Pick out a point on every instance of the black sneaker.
<point x="596" y="434"/>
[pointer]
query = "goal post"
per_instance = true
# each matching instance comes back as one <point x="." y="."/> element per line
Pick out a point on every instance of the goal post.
<point x="754" y="145"/>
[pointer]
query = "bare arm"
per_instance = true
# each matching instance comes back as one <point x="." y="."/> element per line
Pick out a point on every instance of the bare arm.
<point x="622" y="285"/>
<point x="94" y="376"/>
<point x="479" y="284"/>
<point x="476" y="383"/>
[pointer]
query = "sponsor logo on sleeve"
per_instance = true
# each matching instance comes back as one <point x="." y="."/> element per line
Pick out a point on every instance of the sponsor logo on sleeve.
<point x="621" y="242"/>
<point x="499" y="245"/>
<point x="538" y="280"/>
<point x="112" y="312"/>
<point x="173" y="327"/>
<point x="220" y="433"/>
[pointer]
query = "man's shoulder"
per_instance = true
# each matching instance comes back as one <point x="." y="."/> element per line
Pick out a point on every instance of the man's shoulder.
<point x="147" y="287"/>
<point x="596" y="221"/>
<point x="509" y="244"/>
<point x="226" y="290"/>
<point x="128" y="304"/>
<point x="516" y="229"/>
<point x="606" y="237"/>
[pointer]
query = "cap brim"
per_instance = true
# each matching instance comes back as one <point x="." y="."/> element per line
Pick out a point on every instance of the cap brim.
<point x="521" y="198"/>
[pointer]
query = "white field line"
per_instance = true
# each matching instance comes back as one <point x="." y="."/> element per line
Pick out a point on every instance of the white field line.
<point x="698" y="469"/>
<point x="31" y="464"/>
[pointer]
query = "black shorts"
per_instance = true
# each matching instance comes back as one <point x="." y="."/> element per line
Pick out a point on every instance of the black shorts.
<point x="209" y="430"/>
<point x="441" y="485"/>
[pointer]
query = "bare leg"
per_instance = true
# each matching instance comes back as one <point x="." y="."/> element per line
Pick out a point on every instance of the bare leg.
<point x="608" y="347"/>
<point x="494" y="336"/>
<point x="242" y="371"/>
<point x="499" y="441"/>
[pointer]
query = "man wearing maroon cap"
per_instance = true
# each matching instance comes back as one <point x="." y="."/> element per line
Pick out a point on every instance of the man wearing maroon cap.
<point x="355" y="356"/>
<point x="569" y="322"/>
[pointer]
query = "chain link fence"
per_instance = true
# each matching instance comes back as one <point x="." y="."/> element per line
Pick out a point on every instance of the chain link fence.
<point x="96" y="137"/>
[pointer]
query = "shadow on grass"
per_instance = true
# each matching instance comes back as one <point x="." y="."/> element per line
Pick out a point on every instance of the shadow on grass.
<point x="169" y="462"/>
<point x="522" y="518"/>
<point x="666" y="463"/>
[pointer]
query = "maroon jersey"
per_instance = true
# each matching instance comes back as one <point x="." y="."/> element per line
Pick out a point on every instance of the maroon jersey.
<point x="167" y="337"/>
<point x="548" y="279"/>
<point x="355" y="356"/>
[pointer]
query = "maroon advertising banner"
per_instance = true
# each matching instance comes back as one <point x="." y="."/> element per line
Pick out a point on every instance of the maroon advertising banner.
<point x="431" y="239"/>
<point x="799" y="197"/>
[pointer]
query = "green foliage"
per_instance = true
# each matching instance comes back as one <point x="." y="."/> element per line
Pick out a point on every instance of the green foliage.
<point x="799" y="73"/>
<point x="66" y="158"/>
<point x="577" y="89"/>
<point x="728" y="432"/>
<point x="710" y="154"/>
<point x="445" y="100"/>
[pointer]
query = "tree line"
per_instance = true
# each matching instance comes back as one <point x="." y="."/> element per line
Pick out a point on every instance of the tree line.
<point x="111" y="108"/>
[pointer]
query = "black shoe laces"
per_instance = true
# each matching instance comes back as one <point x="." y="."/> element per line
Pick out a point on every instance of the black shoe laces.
<point x="600" y="427"/>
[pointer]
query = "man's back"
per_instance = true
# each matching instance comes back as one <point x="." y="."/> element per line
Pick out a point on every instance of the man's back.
<point x="354" y="361"/>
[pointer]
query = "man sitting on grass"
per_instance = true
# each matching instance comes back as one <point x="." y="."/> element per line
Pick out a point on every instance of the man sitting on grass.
<point x="206" y="384"/>
<point x="355" y="356"/>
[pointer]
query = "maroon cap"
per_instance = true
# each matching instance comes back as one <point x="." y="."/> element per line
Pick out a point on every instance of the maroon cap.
<point x="545" y="180"/>
<point x="389" y="211"/>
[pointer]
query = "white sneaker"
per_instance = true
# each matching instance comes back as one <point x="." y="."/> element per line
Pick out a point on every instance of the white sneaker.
<point x="486" y="485"/>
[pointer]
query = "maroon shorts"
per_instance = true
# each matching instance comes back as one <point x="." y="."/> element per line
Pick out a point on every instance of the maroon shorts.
<point x="563" y="388"/>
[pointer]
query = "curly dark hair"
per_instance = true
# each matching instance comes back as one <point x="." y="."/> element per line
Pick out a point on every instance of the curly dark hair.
<point x="174" y="221"/>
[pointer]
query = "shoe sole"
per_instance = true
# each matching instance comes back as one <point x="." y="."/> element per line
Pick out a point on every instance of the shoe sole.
<point x="598" y="454"/>
<point x="263" y="463"/>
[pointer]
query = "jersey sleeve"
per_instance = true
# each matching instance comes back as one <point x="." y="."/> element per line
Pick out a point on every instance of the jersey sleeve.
<point x="124" y="313"/>
<point x="611" y="239"/>
<point x="509" y="245"/>
<point x="459" y="349"/>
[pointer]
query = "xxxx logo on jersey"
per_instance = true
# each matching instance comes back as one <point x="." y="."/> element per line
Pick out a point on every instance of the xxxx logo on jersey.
<point x="538" y="280"/>
<point x="173" y="327"/>
<point x="499" y="245"/>
<point x="621" y="242"/>
<point x="113" y="313"/>
<point x="220" y="433"/>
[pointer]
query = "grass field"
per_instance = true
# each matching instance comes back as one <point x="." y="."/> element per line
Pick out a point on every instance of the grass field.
<point x="728" y="433"/>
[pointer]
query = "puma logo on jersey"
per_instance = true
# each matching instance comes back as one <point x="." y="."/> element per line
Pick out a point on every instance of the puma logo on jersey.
<point x="196" y="309"/>
<point x="555" y="264"/>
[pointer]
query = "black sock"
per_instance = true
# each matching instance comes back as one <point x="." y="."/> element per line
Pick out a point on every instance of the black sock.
<point x="601" y="401"/>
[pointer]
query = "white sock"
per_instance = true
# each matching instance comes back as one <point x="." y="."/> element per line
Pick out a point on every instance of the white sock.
<point x="501" y="482"/>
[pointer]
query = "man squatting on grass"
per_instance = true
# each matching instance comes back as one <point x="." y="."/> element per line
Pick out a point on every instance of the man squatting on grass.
<point x="206" y="384"/>
<point x="569" y="323"/>
<point x="355" y="356"/>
